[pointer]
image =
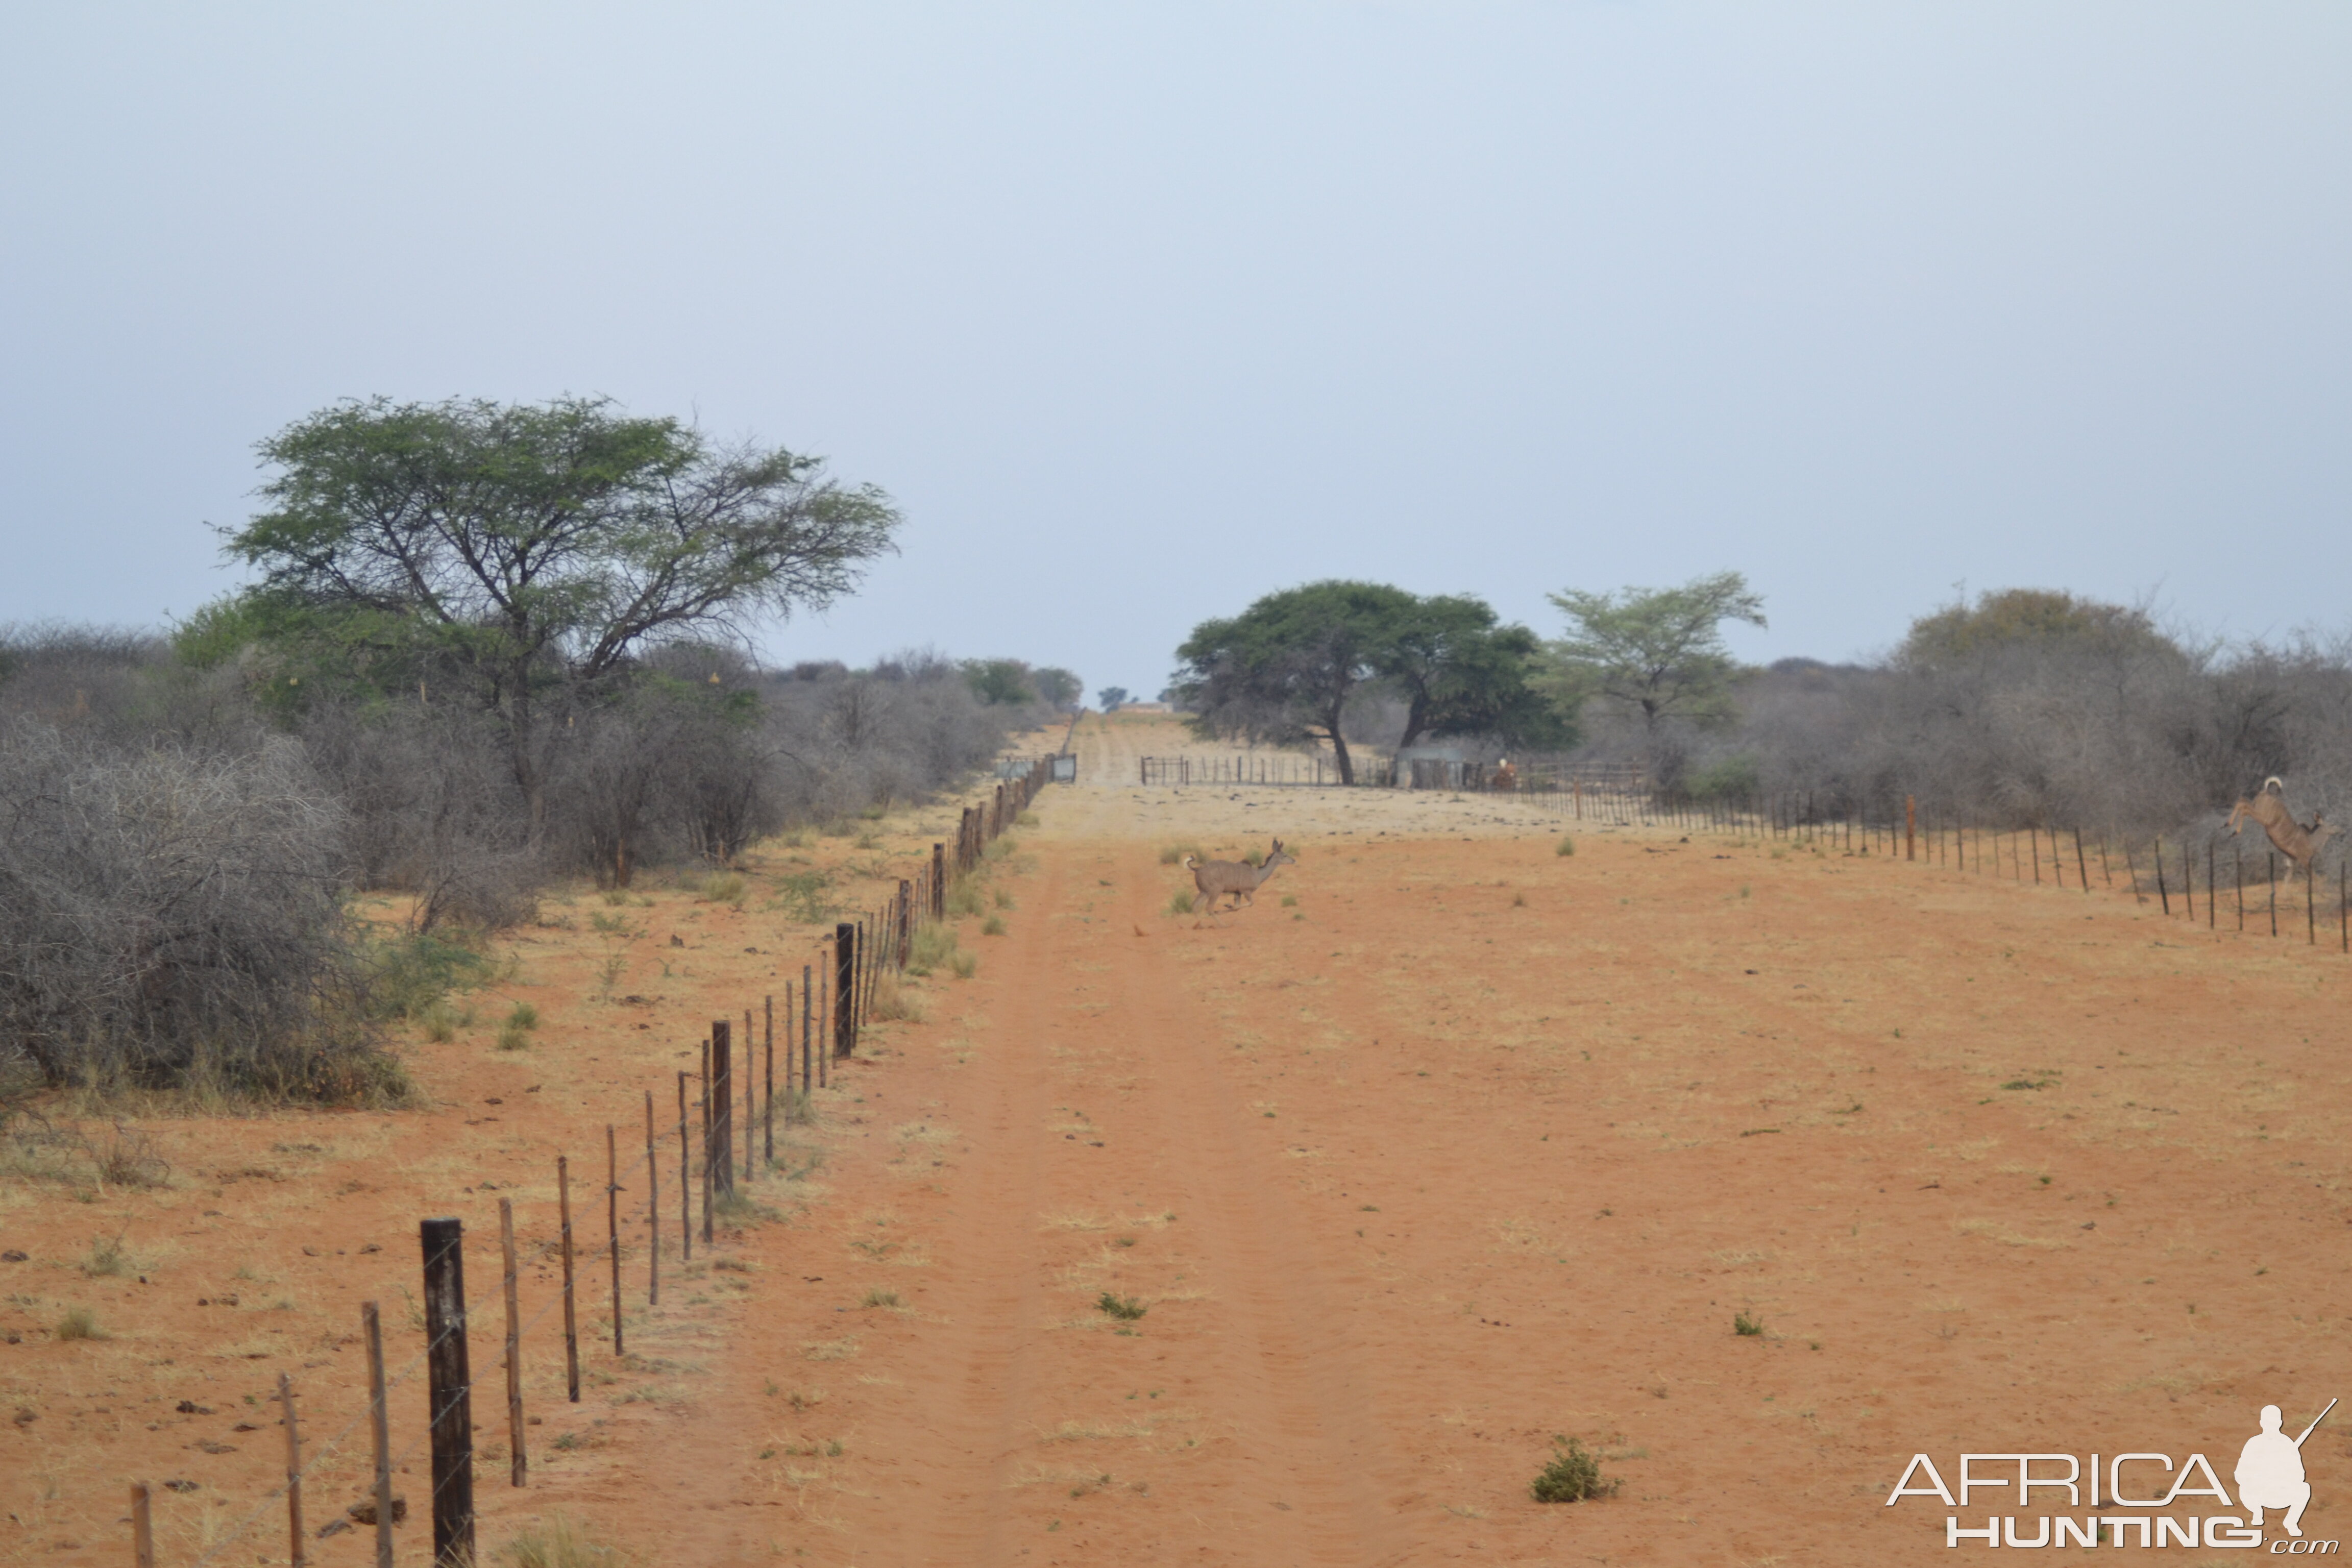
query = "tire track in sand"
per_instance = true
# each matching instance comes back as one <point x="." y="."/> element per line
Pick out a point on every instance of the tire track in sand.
<point x="1279" y="1461"/>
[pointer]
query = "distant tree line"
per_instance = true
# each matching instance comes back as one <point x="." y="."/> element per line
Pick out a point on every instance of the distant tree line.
<point x="2024" y="706"/>
<point x="485" y="645"/>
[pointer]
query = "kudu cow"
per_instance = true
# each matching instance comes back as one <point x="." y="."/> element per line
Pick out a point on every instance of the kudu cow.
<point x="2299" y="844"/>
<point x="1234" y="879"/>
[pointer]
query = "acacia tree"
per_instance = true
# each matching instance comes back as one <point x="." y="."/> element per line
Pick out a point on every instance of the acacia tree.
<point x="1284" y="669"/>
<point x="535" y="547"/>
<point x="1460" y="674"/>
<point x="1658" y="652"/>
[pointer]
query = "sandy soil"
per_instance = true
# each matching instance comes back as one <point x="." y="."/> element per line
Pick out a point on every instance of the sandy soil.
<point x="1470" y="1145"/>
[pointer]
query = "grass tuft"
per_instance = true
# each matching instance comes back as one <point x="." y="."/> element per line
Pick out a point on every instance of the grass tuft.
<point x="562" y="1541"/>
<point x="524" y="1016"/>
<point x="878" y="1297"/>
<point x="513" y="1037"/>
<point x="1566" y="846"/>
<point x="964" y="965"/>
<point x="993" y="926"/>
<point x="1126" y="1309"/>
<point x="1180" y="902"/>
<point x="80" y="1323"/>
<point x="1747" y="1327"/>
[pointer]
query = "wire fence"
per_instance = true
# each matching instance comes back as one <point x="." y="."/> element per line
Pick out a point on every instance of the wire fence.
<point x="834" y="999"/>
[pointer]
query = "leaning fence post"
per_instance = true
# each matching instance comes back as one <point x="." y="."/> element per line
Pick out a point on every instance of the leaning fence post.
<point x="2131" y="869"/>
<point x="571" y="1315"/>
<point x="380" y="1424"/>
<point x="293" y="1471"/>
<point x="450" y="1393"/>
<point x="2082" y="866"/>
<point x="142" y="1527"/>
<point x="2160" y="890"/>
<point x="518" y="1467"/>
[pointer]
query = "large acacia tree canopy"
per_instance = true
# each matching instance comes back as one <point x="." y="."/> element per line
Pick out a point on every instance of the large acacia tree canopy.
<point x="513" y="532"/>
<point x="1284" y="669"/>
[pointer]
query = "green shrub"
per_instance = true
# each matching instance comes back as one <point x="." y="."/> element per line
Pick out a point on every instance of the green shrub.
<point x="513" y="1037"/>
<point x="1026" y="819"/>
<point x="1171" y="854"/>
<point x="1566" y="846"/>
<point x="1573" y="1476"/>
<point x="878" y="1297"/>
<point x="1180" y="902"/>
<point x="1126" y="1309"/>
<point x="524" y="1016"/>
<point x="993" y="926"/>
<point x="408" y="975"/>
<point x="964" y="897"/>
<point x="801" y="895"/>
<point x="439" y="1022"/>
<point x="1002" y="897"/>
<point x="724" y="888"/>
<point x="964" y="965"/>
<point x="1725" y="778"/>
<point x="1746" y="1327"/>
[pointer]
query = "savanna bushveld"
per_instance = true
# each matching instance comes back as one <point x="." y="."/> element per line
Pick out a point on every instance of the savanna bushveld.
<point x="1233" y="1172"/>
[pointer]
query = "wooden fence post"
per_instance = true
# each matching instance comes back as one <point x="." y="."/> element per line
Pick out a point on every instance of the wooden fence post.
<point x="824" y="1025"/>
<point x="2083" y="864"/>
<point x="905" y="944"/>
<point x="142" y="1527"/>
<point x="2161" y="892"/>
<point x="768" y="1006"/>
<point x="751" y="1096"/>
<point x="293" y="1472"/>
<point x="845" y="981"/>
<point x="685" y="1179"/>
<point x="449" y="1397"/>
<point x="380" y="1428"/>
<point x="718" y="1155"/>
<point x="612" y="1223"/>
<point x="652" y="1211"/>
<point x="571" y="1314"/>
<point x="938" y="888"/>
<point x="518" y="1467"/>
<point x="2273" y="856"/>
<point x="1911" y="828"/>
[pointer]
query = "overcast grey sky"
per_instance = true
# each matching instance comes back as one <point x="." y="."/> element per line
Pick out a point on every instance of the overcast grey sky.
<point x="1142" y="310"/>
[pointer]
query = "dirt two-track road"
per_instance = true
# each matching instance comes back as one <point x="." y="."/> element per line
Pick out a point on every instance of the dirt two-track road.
<point x="1452" y="1144"/>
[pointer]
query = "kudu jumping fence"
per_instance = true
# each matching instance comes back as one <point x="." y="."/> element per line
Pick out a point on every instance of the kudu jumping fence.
<point x="833" y="1001"/>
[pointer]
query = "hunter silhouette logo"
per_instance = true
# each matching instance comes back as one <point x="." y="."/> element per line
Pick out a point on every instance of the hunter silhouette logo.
<point x="2130" y="1496"/>
<point x="2270" y="1472"/>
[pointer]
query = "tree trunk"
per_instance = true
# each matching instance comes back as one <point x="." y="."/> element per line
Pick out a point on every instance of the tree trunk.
<point x="1340" y="749"/>
<point x="1416" y="720"/>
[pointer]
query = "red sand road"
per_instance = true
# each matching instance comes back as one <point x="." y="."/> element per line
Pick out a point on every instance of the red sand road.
<point x="1473" y="1145"/>
<point x="1412" y="1176"/>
